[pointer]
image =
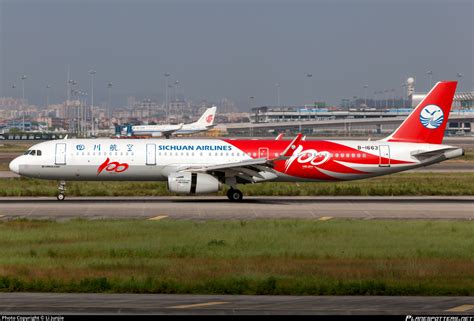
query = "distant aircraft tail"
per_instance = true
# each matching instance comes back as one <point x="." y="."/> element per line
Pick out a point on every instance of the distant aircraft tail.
<point x="427" y="122"/>
<point x="207" y="119"/>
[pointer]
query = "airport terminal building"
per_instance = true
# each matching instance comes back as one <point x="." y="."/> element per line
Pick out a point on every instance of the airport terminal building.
<point x="265" y="120"/>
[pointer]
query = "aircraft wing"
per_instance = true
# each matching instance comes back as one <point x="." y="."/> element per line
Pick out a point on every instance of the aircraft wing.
<point x="251" y="169"/>
<point x="248" y="169"/>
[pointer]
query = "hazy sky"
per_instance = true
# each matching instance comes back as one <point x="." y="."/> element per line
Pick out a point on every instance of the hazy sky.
<point x="234" y="49"/>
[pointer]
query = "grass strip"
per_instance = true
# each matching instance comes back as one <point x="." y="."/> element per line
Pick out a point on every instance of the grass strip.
<point x="297" y="257"/>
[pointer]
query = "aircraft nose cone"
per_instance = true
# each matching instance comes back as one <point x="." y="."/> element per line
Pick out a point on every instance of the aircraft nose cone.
<point x="15" y="166"/>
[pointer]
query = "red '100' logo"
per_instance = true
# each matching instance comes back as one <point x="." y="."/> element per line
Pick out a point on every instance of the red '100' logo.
<point x="112" y="167"/>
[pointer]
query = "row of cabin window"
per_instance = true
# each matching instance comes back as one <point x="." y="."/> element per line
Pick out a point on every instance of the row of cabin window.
<point x="343" y="155"/>
<point x="348" y="155"/>
<point x="254" y="154"/>
<point x="102" y="154"/>
<point x="202" y="154"/>
<point x="238" y="154"/>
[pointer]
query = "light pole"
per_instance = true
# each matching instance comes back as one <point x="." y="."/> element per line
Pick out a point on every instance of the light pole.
<point x="74" y="112"/>
<point x="71" y="91"/>
<point x="13" y="86"/>
<point x="386" y="97"/>
<point x="80" y="113"/>
<point x="167" y="74"/>
<point x="299" y="120"/>
<point x="82" y="102"/>
<point x="84" y="112"/>
<point x="170" y="86"/>
<point x="23" y="86"/>
<point x="176" y="93"/>
<point x="365" y="94"/>
<point x="70" y="84"/>
<point x="309" y="76"/>
<point x="23" y="98"/>
<point x="430" y="73"/>
<point x="109" y="101"/>
<point x="48" y="88"/>
<point x="402" y="96"/>
<point x="92" y="73"/>
<point x="278" y="93"/>
<point x="393" y="98"/>
<point x="251" y="126"/>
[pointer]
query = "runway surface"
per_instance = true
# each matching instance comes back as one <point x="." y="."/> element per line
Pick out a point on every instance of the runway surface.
<point x="258" y="207"/>
<point x="61" y="303"/>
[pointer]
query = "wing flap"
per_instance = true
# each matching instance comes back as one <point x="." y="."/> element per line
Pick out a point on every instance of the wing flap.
<point x="244" y="163"/>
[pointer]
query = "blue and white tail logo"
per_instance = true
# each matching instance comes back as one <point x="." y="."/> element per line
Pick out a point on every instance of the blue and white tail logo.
<point x="431" y="116"/>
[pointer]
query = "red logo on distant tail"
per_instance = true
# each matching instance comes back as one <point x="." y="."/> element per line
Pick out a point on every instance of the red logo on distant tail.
<point x="209" y="119"/>
<point x="112" y="167"/>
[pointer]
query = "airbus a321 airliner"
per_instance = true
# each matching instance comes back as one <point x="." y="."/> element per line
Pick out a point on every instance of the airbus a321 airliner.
<point x="204" y="165"/>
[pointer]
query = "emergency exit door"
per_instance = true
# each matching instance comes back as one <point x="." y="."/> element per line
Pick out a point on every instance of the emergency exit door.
<point x="263" y="152"/>
<point x="384" y="156"/>
<point x="150" y="154"/>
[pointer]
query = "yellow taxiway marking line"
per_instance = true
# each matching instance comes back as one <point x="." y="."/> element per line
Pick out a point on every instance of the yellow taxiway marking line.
<point x="462" y="308"/>
<point x="325" y="218"/>
<point x="156" y="218"/>
<point x="197" y="305"/>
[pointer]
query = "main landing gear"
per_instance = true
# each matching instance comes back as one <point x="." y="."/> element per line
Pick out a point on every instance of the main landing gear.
<point x="235" y="195"/>
<point x="62" y="191"/>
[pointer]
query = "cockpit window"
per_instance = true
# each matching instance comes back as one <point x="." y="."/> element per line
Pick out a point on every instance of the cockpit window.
<point x="33" y="152"/>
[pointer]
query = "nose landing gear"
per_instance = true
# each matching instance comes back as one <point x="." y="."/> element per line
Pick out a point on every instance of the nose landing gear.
<point x="62" y="191"/>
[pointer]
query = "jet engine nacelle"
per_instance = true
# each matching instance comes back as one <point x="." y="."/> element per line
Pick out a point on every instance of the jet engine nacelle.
<point x="193" y="183"/>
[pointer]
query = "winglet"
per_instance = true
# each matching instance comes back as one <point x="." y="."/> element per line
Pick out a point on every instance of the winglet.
<point x="289" y="149"/>
<point x="279" y="137"/>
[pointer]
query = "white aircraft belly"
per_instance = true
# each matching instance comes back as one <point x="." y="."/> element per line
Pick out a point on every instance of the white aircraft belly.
<point x="89" y="172"/>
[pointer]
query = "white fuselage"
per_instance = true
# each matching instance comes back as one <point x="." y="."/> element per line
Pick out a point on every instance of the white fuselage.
<point x="150" y="130"/>
<point x="155" y="159"/>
